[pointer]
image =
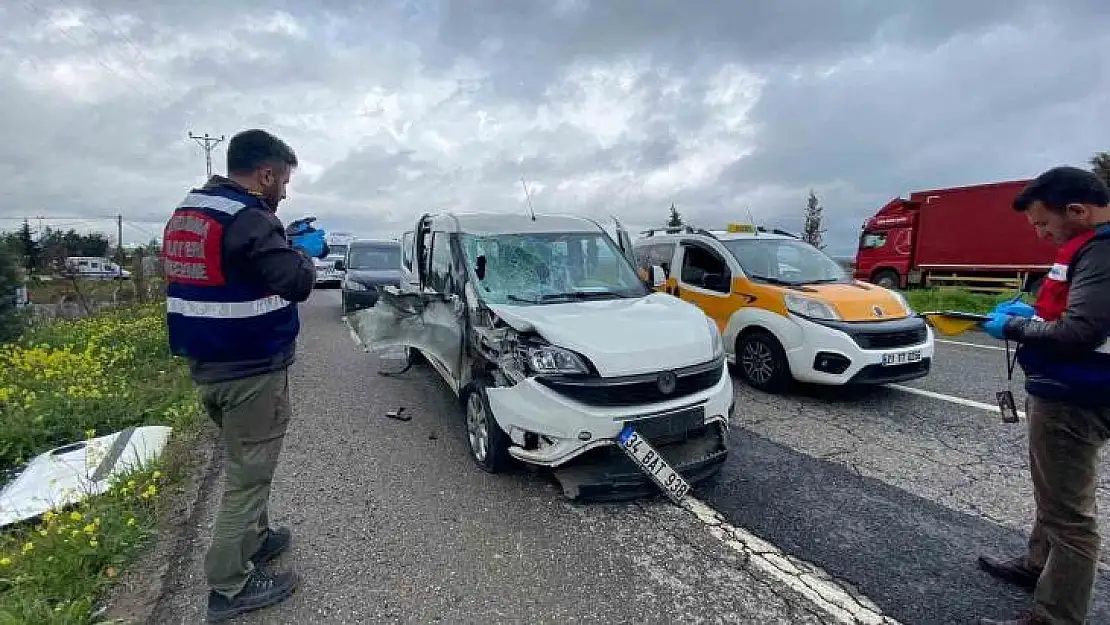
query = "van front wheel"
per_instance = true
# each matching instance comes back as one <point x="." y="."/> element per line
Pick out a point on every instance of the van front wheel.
<point x="489" y="445"/>
<point x="762" y="361"/>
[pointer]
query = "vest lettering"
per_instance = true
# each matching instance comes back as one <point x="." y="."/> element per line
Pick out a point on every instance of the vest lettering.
<point x="192" y="247"/>
<point x="182" y="271"/>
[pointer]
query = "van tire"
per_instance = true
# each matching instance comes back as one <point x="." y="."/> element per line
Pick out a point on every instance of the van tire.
<point x="487" y="442"/>
<point x="762" y="361"/>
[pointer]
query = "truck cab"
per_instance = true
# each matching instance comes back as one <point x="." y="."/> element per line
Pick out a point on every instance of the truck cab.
<point x="885" y="249"/>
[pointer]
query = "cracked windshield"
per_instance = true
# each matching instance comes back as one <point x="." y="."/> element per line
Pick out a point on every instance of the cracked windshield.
<point x="581" y="311"/>
<point x="548" y="268"/>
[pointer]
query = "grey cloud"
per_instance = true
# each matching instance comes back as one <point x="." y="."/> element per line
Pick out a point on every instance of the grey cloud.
<point x="955" y="93"/>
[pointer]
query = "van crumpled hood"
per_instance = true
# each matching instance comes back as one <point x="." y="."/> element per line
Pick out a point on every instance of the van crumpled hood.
<point x="620" y="336"/>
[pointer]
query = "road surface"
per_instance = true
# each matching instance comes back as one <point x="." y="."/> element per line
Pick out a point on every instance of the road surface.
<point x="834" y="505"/>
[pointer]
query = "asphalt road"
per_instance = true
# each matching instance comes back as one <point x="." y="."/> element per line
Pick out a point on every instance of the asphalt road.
<point x="892" y="494"/>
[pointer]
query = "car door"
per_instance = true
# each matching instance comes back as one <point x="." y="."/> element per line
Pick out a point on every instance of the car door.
<point x="624" y="242"/>
<point x="444" y="310"/>
<point x="704" y="279"/>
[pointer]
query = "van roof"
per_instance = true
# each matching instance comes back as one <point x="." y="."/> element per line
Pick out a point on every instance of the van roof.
<point x="720" y="235"/>
<point x="486" y="224"/>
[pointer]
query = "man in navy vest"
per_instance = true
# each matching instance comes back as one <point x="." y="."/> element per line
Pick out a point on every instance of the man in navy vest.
<point x="1064" y="352"/>
<point x="233" y="283"/>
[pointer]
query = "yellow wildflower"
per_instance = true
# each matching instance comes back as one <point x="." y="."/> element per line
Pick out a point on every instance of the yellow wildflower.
<point x="28" y="547"/>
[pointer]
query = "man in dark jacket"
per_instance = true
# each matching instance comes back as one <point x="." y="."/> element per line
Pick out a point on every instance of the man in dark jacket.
<point x="1064" y="352"/>
<point x="233" y="284"/>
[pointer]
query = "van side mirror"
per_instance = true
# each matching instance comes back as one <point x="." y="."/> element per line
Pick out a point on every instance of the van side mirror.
<point x="658" y="276"/>
<point x="340" y="265"/>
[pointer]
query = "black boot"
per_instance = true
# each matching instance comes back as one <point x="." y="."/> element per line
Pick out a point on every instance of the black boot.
<point x="263" y="589"/>
<point x="277" y="541"/>
<point x="1014" y="571"/>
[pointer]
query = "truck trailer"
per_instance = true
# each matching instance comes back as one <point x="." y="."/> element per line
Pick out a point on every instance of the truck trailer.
<point x="966" y="236"/>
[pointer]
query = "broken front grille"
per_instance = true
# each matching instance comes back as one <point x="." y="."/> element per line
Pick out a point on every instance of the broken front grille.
<point x="636" y="389"/>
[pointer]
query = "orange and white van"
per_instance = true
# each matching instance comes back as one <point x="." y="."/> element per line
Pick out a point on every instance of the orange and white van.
<point x="785" y="309"/>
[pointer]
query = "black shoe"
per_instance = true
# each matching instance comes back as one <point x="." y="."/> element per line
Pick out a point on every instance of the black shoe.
<point x="1014" y="571"/>
<point x="276" y="542"/>
<point x="263" y="589"/>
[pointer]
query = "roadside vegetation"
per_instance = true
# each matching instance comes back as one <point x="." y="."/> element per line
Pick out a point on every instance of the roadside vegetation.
<point x="949" y="299"/>
<point x="64" y="382"/>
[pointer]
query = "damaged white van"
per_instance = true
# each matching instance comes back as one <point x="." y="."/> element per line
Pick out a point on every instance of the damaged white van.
<point x="561" y="356"/>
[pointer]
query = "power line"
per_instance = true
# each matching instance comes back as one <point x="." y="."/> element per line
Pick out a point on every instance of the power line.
<point x="207" y="143"/>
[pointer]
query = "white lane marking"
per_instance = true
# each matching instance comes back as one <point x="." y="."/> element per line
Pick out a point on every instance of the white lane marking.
<point x="971" y="403"/>
<point x="969" y="344"/>
<point x="806" y="579"/>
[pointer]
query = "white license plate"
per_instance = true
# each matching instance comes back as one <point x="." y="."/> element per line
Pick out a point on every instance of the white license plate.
<point x="901" y="358"/>
<point x="649" y="460"/>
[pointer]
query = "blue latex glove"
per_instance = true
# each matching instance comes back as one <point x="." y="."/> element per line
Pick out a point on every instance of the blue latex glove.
<point x="300" y="226"/>
<point x="996" y="325"/>
<point x="1016" y="308"/>
<point x="312" y="243"/>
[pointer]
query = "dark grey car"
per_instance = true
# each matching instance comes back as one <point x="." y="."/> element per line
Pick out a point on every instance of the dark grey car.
<point x="368" y="265"/>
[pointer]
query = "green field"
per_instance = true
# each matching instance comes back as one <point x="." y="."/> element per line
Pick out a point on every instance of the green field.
<point x="953" y="299"/>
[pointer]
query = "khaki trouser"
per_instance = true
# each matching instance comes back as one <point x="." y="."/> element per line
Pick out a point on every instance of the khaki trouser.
<point x="253" y="415"/>
<point x="1064" y="444"/>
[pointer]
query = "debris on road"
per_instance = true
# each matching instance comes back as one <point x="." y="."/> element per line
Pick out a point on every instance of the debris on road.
<point x="71" y="473"/>
<point x="398" y="414"/>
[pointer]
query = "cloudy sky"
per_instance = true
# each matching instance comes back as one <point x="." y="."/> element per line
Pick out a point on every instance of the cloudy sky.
<point x="615" y="107"/>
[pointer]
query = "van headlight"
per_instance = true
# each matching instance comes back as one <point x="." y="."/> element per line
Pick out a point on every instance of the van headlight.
<point x="551" y="360"/>
<point x="903" y="301"/>
<point x="809" y="307"/>
<point x="715" y="336"/>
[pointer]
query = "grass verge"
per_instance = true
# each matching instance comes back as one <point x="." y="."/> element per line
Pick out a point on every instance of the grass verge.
<point x="946" y="299"/>
<point x="68" y="381"/>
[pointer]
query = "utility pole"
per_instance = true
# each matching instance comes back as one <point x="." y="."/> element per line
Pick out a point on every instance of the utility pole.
<point x="207" y="143"/>
<point x="119" y="244"/>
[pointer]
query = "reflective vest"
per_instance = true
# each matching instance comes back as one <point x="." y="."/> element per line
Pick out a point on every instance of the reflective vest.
<point x="216" y="313"/>
<point x="1054" y="373"/>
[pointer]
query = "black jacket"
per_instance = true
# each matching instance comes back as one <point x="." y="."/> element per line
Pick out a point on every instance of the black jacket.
<point x="256" y="249"/>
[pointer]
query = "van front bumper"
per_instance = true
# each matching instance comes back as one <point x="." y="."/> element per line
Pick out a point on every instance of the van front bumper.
<point x="549" y="429"/>
<point x="866" y="352"/>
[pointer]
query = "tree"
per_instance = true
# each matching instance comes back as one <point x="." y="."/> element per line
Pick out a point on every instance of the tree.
<point x="1100" y="164"/>
<point x="11" y="318"/>
<point x="676" y="218"/>
<point x="812" y="231"/>
<point x="30" y="249"/>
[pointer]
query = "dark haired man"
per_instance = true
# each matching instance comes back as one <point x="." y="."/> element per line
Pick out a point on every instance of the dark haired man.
<point x="1065" y="354"/>
<point x="233" y="283"/>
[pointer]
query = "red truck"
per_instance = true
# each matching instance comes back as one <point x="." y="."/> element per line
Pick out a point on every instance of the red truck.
<point x="968" y="236"/>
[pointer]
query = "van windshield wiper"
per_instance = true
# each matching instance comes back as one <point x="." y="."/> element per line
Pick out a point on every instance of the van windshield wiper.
<point x="525" y="300"/>
<point x="582" y="295"/>
<point x="770" y="280"/>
